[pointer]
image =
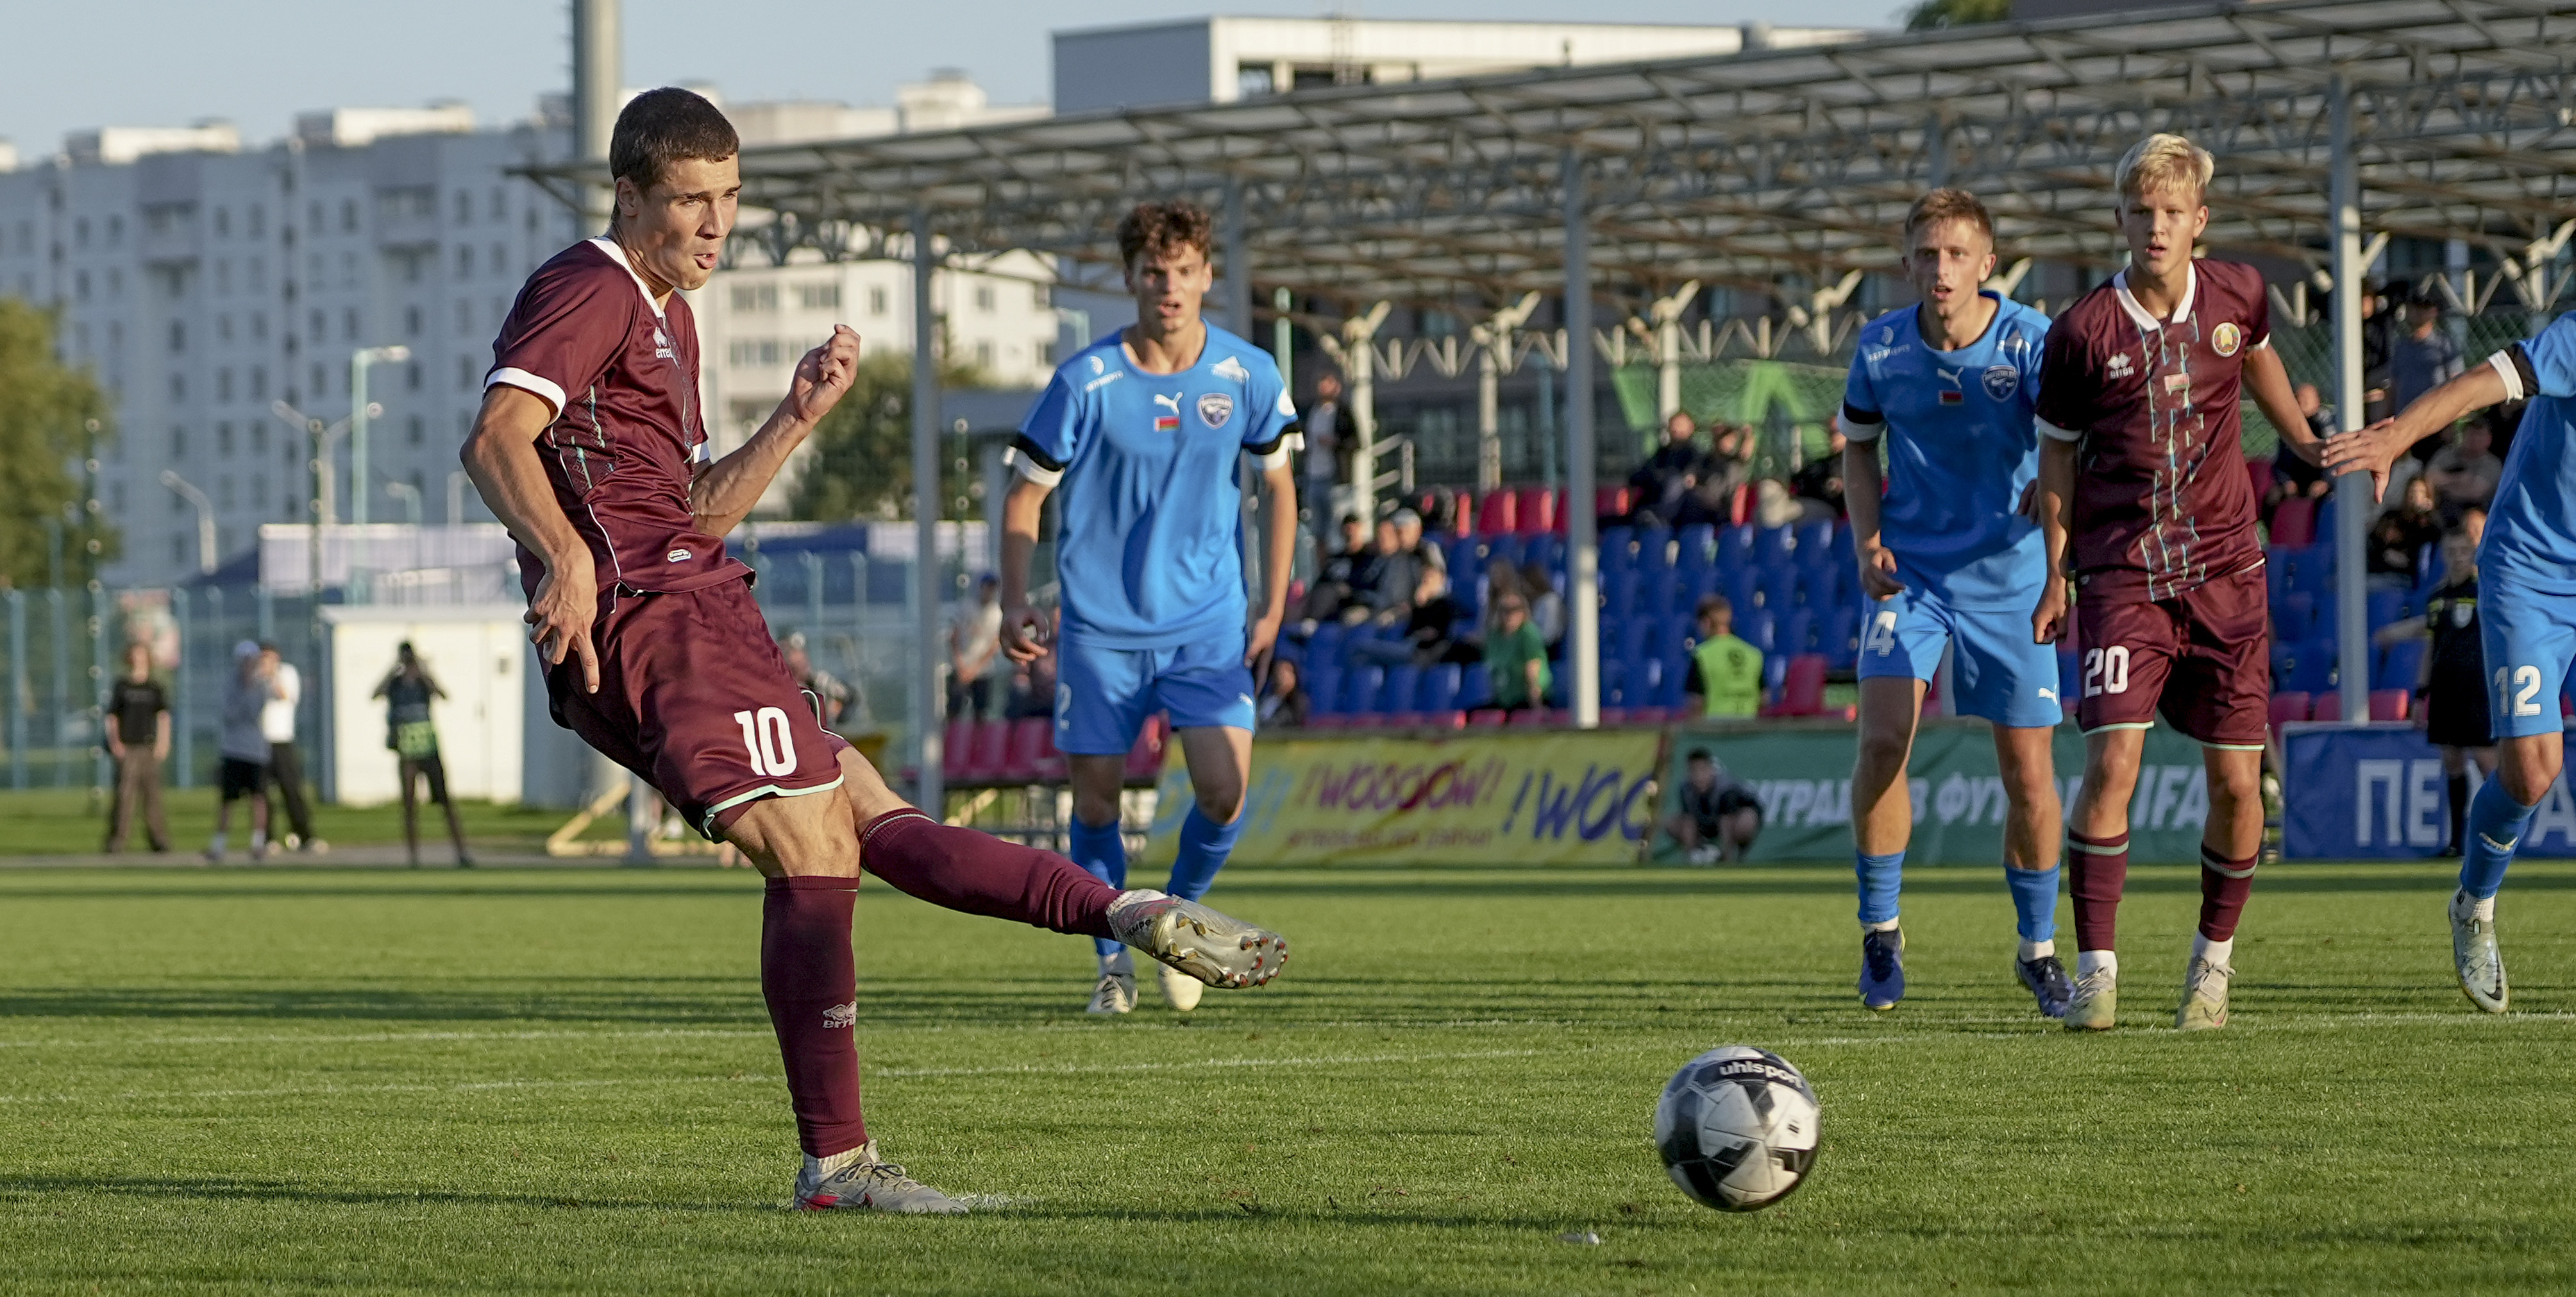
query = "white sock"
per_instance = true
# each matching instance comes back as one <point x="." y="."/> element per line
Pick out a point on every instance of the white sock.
<point x="2215" y="952"/>
<point x="258" y="839"/>
<point x="1124" y="962"/>
<point x="2482" y="911"/>
<point x="220" y="843"/>
<point x="819" y="1167"/>
<point x="2031" y="950"/>
<point x="1888" y="926"/>
<point x="2089" y="962"/>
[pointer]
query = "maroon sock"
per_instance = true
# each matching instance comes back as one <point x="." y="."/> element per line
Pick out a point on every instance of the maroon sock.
<point x="978" y="873"/>
<point x="811" y="982"/>
<point x="2097" y="869"/>
<point x="2224" y="885"/>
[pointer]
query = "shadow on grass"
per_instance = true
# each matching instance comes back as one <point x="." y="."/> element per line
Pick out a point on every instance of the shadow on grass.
<point x="24" y="1189"/>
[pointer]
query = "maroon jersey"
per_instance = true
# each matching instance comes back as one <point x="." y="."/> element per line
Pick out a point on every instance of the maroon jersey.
<point x="621" y="375"/>
<point x="2162" y="499"/>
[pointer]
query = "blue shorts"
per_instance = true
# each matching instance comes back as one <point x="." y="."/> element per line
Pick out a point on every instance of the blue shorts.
<point x="1103" y="695"/>
<point x="2530" y="639"/>
<point x="2001" y="673"/>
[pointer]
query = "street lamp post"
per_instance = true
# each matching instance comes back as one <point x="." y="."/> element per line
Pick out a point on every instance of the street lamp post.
<point x="322" y="511"/>
<point x="359" y="413"/>
<point x="205" y="508"/>
<point x="410" y="497"/>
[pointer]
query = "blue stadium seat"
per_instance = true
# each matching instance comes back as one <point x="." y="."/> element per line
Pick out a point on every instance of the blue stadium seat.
<point x="1696" y="585"/>
<point x="1775" y="668"/>
<point x="1324" y="687"/>
<point x="1735" y="546"/>
<point x="1758" y="627"/>
<point x="2308" y="668"/>
<point x="1777" y="587"/>
<point x="1740" y="586"/>
<point x="2386" y="606"/>
<point x="2295" y="616"/>
<point x="2398" y="665"/>
<point x="1771" y="546"/>
<point x="1618" y="548"/>
<point x="1654" y="551"/>
<point x="1363" y="686"/>
<point x="1842" y="637"/>
<point x="1663" y="592"/>
<point x="1440" y="688"/>
<point x="1819" y="588"/>
<point x="1474" y="688"/>
<point x="1619" y="590"/>
<point x="1844" y="551"/>
<point x="1815" y="541"/>
<point x="1698" y="547"/>
<point x="1403" y="686"/>
<point x="1548" y="550"/>
<point x="1326" y="643"/>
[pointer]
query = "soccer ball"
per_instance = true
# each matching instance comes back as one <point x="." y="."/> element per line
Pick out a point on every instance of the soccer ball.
<point x="1737" y="1127"/>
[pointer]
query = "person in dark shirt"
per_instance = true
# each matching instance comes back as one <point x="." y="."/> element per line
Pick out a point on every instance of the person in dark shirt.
<point x="1427" y="626"/>
<point x="413" y="738"/>
<point x="1335" y="589"/>
<point x="2451" y="685"/>
<point x="138" y="739"/>
<point x="1667" y="474"/>
<point x="1284" y="703"/>
<point x="1818" y="484"/>
<point x="1719" y="818"/>
<point x="2292" y="475"/>
<point x="2398" y="539"/>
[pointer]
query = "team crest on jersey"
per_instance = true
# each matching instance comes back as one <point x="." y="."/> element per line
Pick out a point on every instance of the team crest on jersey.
<point x="1215" y="408"/>
<point x="2000" y="380"/>
<point x="2226" y="338"/>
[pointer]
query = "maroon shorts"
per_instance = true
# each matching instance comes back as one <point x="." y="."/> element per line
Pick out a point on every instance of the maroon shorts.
<point x="2202" y="659"/>
<point x="694" y="696"/>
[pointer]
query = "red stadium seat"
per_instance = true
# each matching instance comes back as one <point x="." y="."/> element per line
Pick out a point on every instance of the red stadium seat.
<point x="1452" y="719"/>
<point x="957" y="748"/>
<point x="1498" y="513"/>
<point x="1486" y="717"/>
<point x="1028" y="743"/>
<point x="1802" y="689"/>
<point x="2294" y="524"/>
<point x="1530" y="716"/>
<point x="1741" y="511"/>
<point x="1328" y="721"/>
<point x="2390" y="704"/>
<point x="2289" y="707"/>
<point x="2327" y="707"/>
<point x="1051" y="765"/>
<point x="1535" y="513"/>
<point x="1613" y="716"/>
<point x="1610" y="502"/>
<point x="2259" y="472"/>
<point x="1145" y="760"/>
<point x="992" y="750"/>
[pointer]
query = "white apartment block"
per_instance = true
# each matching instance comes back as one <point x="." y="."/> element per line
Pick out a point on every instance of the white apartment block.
<point x="1220" y="60"/>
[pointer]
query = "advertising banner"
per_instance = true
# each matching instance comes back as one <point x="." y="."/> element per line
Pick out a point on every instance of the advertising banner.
<point x="1501" y="797"/>
<point x="2376" y="792"/>
<point x="1802" y="776"/>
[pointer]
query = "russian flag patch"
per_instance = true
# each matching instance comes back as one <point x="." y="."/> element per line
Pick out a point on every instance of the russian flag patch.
<point x="1167" y="423"/>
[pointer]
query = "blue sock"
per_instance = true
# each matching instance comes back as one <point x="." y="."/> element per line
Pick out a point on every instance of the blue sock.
<point x="2034" y="893"/>
<point x="2496" y="822"/>
<point x="1102" y="853"/>
<point x="1203" y="848"/>
<point x="1880" y="877"/>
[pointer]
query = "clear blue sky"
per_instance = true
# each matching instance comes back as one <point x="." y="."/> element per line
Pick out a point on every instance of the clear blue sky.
<point x="259" y="62"/>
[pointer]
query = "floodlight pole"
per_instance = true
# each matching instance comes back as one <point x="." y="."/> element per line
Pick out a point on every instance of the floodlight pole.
<point x="205" y="508"/>
<point x="1583" y="545"/>
<point x="2353" y="505"/>
<point x="930" y="703"/>
<point x="1238" y="317"/>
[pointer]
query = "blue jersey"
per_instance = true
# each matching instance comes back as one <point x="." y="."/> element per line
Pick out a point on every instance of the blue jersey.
<point x="1962" y="445"/>
<point x="2531" y="529"/>
<point x="1148" y="549"/>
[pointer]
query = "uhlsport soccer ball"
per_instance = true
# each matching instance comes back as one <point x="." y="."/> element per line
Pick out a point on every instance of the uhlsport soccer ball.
<point x="1737" y="1128"/>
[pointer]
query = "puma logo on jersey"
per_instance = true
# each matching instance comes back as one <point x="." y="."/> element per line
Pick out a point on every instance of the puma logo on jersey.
<point x="1950" y="376"/>
<point x="1233" y="369"/>
<point x="1173" y="402"/>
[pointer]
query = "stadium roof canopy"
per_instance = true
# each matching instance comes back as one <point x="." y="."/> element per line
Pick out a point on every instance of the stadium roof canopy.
<point x="1748" y="168"/>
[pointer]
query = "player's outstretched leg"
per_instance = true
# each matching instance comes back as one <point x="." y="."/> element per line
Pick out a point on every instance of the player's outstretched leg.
<point x="1212" y="947"/>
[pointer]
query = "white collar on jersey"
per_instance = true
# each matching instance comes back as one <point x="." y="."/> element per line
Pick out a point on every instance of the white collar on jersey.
<point x="618" y="255"/>
<point x="2148" y="323"/>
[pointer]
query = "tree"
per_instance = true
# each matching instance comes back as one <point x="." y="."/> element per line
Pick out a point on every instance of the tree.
<point x="47" y="409"/>
<point x="861" y="455"/>
<point x="1955" y="13"/>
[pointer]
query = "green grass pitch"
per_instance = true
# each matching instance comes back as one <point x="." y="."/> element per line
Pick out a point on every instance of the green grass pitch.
<point x="563" y="1081"/>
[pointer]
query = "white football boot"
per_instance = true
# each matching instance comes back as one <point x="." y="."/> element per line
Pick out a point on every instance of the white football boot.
<point x="1214" y="948"/>
<point x="2475" y="956"/>
<point x="2204" y="996"/>
<point x="866" y="1183"/>
<point x="1116" y="992"/>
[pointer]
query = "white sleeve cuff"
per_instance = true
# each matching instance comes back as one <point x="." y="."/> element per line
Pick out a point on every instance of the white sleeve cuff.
<point x="544" y="388"/>
<point x="2262" y="342"/>
<point x="1862" y="432"/>
<point x="1277" y="456"/>
<point x="1030" y="469"/>
<point x="2502" y="363"/>
<point x="2055" y="433"/>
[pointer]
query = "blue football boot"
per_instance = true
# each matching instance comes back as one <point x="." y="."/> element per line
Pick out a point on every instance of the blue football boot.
<point x="2045" y="979"/>
<point x="1882" y="968"/>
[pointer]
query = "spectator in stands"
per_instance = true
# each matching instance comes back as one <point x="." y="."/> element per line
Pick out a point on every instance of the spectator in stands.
<point x="1427" y="626"/>
<point x="1387" y="579"/>
<point x="2466" y="472"/>
<point x="974" y="646"/>
<point x="1426" y="556"/>
<point x="1725" y="679"/>
<point x="1727" y="469"/>
<point x="1546" y="606"/>
<point x="245" y="751"/>
<point x="2374" y="354"/>
<point x="2293" y="477"/>
<point x="1516" y="658"/>
<point x="832" y="696"/>
<point x="1667" y="475"/>
<point x="1283" y="702"/>
<point x="1334" y="594"/>
<point x="1500" y="578"/>
<point x="1719" y="818"/>
<point x="413" y="737"/>
<point x="2422" y="358"/>
<point x="2398" y="539"/>
<point x="1819" y="484"/>
<point x="286" y="760"/>
<point x="138" y="740"/>
<point x="1322" y="426"/>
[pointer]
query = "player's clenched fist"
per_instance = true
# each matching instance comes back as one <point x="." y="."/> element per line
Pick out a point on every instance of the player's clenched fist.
<point x="2048" y="621"/>
<point x="1024" y="634"/>
<point x="825" y="374"/>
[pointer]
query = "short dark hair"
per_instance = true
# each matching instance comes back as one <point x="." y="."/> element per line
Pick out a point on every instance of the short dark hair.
<point x="660" y="127"/>
<point x="1164" y="227"/>
<point x="1701" y="754"/>
<point x="1715" y="604"/>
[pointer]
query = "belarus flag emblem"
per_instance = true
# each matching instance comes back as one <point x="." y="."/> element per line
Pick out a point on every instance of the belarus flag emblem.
<point x="1167" y="423"/>
<point x="1954" y="398"/>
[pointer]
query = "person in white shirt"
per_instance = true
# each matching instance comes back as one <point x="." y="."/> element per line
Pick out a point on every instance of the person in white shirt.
<point x="245" y="752"/>
<point x="285" y="761"/>
<point x="974" y="638"/>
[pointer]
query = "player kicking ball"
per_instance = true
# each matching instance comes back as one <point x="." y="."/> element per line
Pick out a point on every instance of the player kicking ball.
<point x="590" y="447"/>
<point x="1948" y="560"/>
<point x="2526" y="602"/>
<point x="1142" y="432"/>
<point x="2147" y="507"/>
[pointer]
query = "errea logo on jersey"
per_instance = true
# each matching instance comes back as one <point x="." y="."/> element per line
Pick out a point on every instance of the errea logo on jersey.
<point x="2119" y="367"/>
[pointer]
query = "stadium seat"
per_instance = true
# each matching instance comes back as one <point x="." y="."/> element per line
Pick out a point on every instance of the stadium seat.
<point x="1363" y="684"/>
<point x="2294" y="617"/>
<point x="957" y="749"/>
<point x="1758" y="627"/>
<point x="2326" y="706"/>
<point x="1498" y="513"/>
<point x="1619" y="593"/>
<point x="1842" y="637"/>
<point x="1474" y="689"/>
<point x="2259" y="473"/>
<point x="1654" y="550"/>
<point x="1028" y="746"/>
<point x="1397" y="694"/>
<point x="1618" y="548"/>
<point x="1772" y="546"/>
<point x="2325" y="529"/>
<point x="1740" y="510"/>
<point x="2390" y="704"/>
<point x="1798" y="631"/>
<point x="1815" y="542"/>
<point x="2289" y="707"/>
<point x="2386" y="606"/>
<point x="1445" y="719"/>
<point x="1743" y="589"/>
<point x="1818" y="588"/>
<point x="1663" y="592"/>
<point x="1775" y="673"/>
<point x="1325" y="645"/>
<point x="1535" y="512"/>
<point x="1440" y="687"/>
<point x="1611" y="502"/>
<point x="2399" y="665"/>
<point x="2294" y="522"/>
<point x="1802" y="687"/>
<point x="2308" y="667"/>
<point x="1695" y="547"/>
<point x="1844" y="549"/>
<point x="1735" y="548"/>
<point x="1775" y="586"/>
<point x="1485" y="717"/>
<point x="992" y="750"/>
